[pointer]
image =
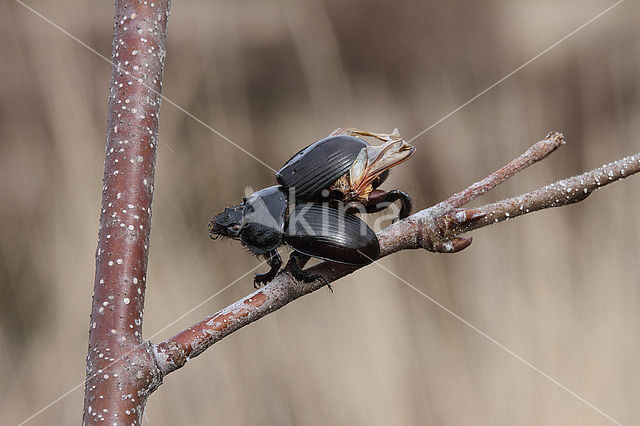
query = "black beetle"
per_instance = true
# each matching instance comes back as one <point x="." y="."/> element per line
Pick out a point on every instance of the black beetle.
<point x="311" y="210"/>
<point x="346" y="168"/>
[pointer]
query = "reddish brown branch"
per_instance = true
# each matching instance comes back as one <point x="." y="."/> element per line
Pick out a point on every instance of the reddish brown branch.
<point x="435" y="229"/>
<point x="561" y="193"/>
<point x="535" y="153"/>
<point x="122" y="369"/>
<point x="116" y="392"/>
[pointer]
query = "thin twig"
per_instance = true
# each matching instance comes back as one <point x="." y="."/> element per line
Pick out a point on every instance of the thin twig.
<point x="435" y="229"/>
<point x="561" y="193"/>
<point x="538" y="151"/>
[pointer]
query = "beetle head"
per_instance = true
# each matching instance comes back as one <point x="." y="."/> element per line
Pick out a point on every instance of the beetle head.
<point x="227" y="224"/>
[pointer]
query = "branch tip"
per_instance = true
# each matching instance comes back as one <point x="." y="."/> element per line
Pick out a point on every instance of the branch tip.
<point x="538" y="151"/>
<point x="556" y="137"/>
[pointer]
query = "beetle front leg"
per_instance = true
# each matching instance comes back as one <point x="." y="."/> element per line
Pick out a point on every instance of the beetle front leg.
<point x="295" y="264"/>
<point x="275" y="261"/>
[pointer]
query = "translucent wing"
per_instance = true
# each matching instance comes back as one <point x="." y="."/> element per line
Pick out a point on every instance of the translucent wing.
<point x="372" y="161"/>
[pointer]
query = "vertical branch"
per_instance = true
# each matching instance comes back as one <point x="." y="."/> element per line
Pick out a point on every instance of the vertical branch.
<point x="120" y="370"/>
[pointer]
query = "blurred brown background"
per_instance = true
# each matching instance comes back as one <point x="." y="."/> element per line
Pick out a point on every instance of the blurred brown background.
<point x="560" y="288"/>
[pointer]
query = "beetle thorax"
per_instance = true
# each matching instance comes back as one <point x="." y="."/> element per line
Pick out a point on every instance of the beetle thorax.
<point x="263" y="219"/>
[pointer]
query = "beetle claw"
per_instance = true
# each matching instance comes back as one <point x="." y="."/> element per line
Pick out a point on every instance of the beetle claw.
<point x="323" y="279"/>
<point x="297" y="273"/>
<point x="274" y="260"/>
<point x="261" y="279"/>
<point x="307" y="277"/>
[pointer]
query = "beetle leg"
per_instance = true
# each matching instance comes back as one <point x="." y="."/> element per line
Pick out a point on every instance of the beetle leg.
<point x="295" y="264"/>
<point x="300" y="258"/>
<point x="275" y="261"/>
<point x="405" y="202"/>
<point x="379" y="200"/>
<point x="380" y="179"/>
<point x="352" y="131"/>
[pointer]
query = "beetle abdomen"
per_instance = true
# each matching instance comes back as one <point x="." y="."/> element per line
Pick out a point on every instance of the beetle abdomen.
<point x="317" y="166"/>
<point x="331" y="234"/>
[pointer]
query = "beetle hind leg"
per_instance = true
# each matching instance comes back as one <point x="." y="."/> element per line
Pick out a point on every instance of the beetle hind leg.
<point x="275" y="261"/>
<point x="295" y="264"/>
<point x="405" y="202"/>
<point x="379" y="200"/>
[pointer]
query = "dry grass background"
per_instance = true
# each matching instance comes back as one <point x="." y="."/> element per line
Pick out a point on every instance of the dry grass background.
<point x="560" y="288"/>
